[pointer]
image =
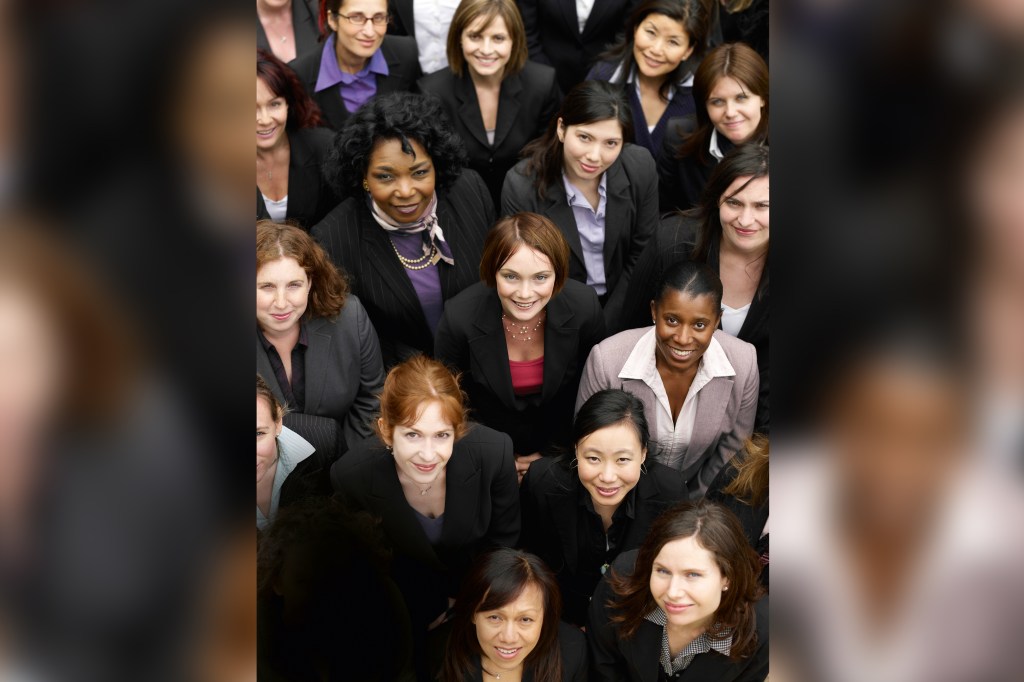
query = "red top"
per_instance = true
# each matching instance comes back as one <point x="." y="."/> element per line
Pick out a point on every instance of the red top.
<point x="528" y="376"/>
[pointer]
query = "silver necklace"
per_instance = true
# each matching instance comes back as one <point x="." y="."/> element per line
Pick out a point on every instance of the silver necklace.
<point x="524" y="329"/>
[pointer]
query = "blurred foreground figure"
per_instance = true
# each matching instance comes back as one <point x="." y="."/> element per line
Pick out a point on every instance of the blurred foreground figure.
<point x="901" y="553"/>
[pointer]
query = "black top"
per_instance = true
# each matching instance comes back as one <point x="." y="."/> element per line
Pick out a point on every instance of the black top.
<point x="403" y="71"/>
<point x="613" y="659"/>
<point x="631" y="215"/>
<point x="553" y="34"/>
<point x="304" y="23"/>
<point x="751" y="518"/>
<point x="573" y="646"/>
<point x="527" y="102"/>
<point x="293" y="391"/>
<point x="355" y="241"/>
<point x="481" y="511"/>
<point x="674" y="242"/>
<point x="471" y="338"/>
<point x="682" y="180"/>
<point x="562" y="528"/>
<point x="310" y="197"/>
<point x="749" y="26"/>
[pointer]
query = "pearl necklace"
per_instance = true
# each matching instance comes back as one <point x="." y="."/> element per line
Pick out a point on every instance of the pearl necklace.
<point x="524" y="329"/>
<point x="421" y="263"/>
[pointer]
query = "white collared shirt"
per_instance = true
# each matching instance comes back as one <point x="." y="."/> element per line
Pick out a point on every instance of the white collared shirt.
<point x="583" y="9"/>
<point x="432" y="19"/>
<point x="291" y="449"/>
<point x="713" y="148"/>
<point x="672" y="438"/>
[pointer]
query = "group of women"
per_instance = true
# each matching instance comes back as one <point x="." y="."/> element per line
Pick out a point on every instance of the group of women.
<point x="453" y="293"/>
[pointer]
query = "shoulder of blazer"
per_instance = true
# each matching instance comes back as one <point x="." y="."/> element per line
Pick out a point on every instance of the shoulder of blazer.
<point x="480" y="443"/>
<point x="603" y="70"/>
<point x="620" y="345"/>
<point x="468" y="187"/>
<point x="307" y="67"/>
<point x="669" y="484"/>
<point x="536" y="76"/>
<point x="357" y="464"/>
<point x="310" y="144"/>
<point x="519" y="181"/>
<point x="399" y="48"/>
<point x="439" y="82"/>
<point x="742" y="355"/>
<point x="575" y="300"/>
<point x="638" y="164"/>
<point x="469" y="302"/>
<point x="549" y="477"/>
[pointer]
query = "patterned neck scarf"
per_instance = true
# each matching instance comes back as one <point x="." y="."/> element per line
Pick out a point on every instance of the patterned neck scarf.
<point x="426" y="223"/>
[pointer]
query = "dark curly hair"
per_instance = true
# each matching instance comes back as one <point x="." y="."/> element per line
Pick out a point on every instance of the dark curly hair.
<point x="400" y="116"/>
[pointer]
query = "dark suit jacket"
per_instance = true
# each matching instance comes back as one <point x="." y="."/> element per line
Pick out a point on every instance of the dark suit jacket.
<point x="310" y="197"/>
<point x="472" y="339"/>
<point x="613" y="659"/>
<point x="553" y="34"/>
<point x="527" y="102"/>
<point x="631" y="216"/>
<point x="311" y="477"/>
<point x="403" y="71"/>
<point x="551" y="512"/>
<point x="573" y="646"/>
<point x="681" y="104"/>
<point x="304" y="21"/>
<point x="751" y="518"/>
<point x="682" y="180"/>
<point x="344" y="373"/>
<point x="359" y="245"/>
<point x="674" y="242"/>
<point x="481" y="511"/>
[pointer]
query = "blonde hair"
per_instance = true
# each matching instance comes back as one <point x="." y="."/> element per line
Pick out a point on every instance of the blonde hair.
<point x="750" y="485"/>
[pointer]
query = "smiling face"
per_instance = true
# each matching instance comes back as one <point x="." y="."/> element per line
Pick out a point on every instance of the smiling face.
<point x="687" y="583"/>
<point x="589" y="149"/>
<point x="734" y="110"/>
<point x="282" y="295"/>
<point x="510" y="633"/>
<point x="660" y="45"/>
<point x="525" y="284"/>
<point x="487" y="49"/>
<point x="684" y="326"/>
<point x="744" y="216"/>
<point x="271" y="116"/>
<point x="267" y="431"/>
<point x="608" y="463"/>
<point x="422" y="449"/>
<point x="356" y="44"/>
<point x="401" y="184"/>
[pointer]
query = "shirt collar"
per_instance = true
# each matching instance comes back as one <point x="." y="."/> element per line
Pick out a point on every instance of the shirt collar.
<point x="686" y="82"/>
<point x="719" y="148"/>
<point x="575" y="196"/>
<point x="331" y="74"/>
<point x="641" y="363"/>
<point x="702" y="644"/>
<point x="267" y="345"/>
<point x="627" y="508"/>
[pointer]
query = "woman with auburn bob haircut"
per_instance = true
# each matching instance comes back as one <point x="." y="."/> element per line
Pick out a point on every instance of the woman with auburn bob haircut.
<point x="496" y="100"/>
<point x="730" y="89"/>
<point x="521" y="336"/>
<point x="691" y="592"/>
<point x="290" y="148"/>
<point x="506" y="625"/>
<point x="315" y="345"/>
<point x="444" y="492"/>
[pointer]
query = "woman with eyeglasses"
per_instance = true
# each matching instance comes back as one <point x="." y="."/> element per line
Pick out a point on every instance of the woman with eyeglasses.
<point x="357" y="61"/>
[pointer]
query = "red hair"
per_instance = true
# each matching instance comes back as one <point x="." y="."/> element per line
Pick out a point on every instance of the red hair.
<point x="303" y="112"/>
<point x="413" y="384"/>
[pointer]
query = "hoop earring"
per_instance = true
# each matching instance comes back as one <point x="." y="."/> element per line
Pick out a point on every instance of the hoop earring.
<point x="574" y="463"/>
<point x="643" y="468"/>
<point x="366" y="187"/>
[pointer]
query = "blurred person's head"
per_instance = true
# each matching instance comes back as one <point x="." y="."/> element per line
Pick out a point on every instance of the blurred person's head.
<point x="295" y="279"/>
<point x="506" y="614"/>
<point x="281" y="101"/>
<point x="488" y="38"/>
<point x="697" y="566"/>
<point x="734" y="208"/>
<point x="422" y="415"/>
<point x="611" y="436"/>
<point x="398" y="149"/>
<point x="686" y="310"/>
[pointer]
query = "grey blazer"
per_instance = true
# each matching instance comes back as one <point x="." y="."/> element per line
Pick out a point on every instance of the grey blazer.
<point x="725" y="410"/>
<point x="344" y="372"/>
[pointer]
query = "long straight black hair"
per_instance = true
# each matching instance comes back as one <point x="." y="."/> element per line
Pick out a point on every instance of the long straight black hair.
<point x="587" y="102"/>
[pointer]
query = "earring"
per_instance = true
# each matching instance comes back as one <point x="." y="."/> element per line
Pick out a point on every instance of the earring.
<point x="574" y="463"/>
<point x="643" y="468"/>
<point x="366" y="187"/>
<point x="725" y="588"/>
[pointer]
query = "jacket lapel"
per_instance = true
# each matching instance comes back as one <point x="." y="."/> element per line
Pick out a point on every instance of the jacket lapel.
<point x="332" y="106"/>
<point x="564" y="514"/>
<point x="379" y="254"/>
<point x="469" y="109"/>
<point x="508" y="108"/>
<point x="264" y="369"/>
<point x="318" y="352"/>
<point x="303" y="175"/>
<point x="711" y="406"/>
<point x="400" y="525"/>
<point x="488" y="351"/>
<point x="557" y="208"/>
<point x="561" y="333"/>
<point x="462" y="499"/>
<point x="643" y="651"/>
<point x="618" y="213"/>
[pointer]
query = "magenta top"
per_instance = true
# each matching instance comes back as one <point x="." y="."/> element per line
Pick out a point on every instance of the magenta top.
<point x="528" y="376"/>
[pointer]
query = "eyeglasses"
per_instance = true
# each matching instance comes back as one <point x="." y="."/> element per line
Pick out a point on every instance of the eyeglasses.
<point x="360" y="19"/>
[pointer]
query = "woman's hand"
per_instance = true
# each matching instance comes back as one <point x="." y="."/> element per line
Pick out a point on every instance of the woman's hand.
<point x="523" y="463"/>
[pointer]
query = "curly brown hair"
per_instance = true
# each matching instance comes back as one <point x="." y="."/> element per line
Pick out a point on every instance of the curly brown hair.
<point x="328" y="284"/>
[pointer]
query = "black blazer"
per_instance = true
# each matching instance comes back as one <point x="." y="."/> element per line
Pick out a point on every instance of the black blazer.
<point x="311" y="477"/>
<point x="403" y="71"/>
<point x="682" y="180"/>
<point x="751" y="518"/>
<point x="551" y="510"/>
<point x="680" y="105"/>
<point x="362" y="248"/>
<point x="471" y="338"/>
<point x="310" y="197"/>
<point x="553" y="34"/>
<point x="305" y="14"/>
<point x="673" y="242"/>
<point x="631" y="216"/>
<point x="613" y="659"/>
<point x="344" y="373"/>
<point x="481" y="511"/>
<point x="526" y="103"/>
<point x="573" y="646"/>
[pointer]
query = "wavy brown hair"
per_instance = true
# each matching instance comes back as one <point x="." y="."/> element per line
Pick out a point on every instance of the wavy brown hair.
<point x="750" y="485"/>
<point x="496" y="579"/>
<point x="717" y="530"/>
<point x="328" y="285"/>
